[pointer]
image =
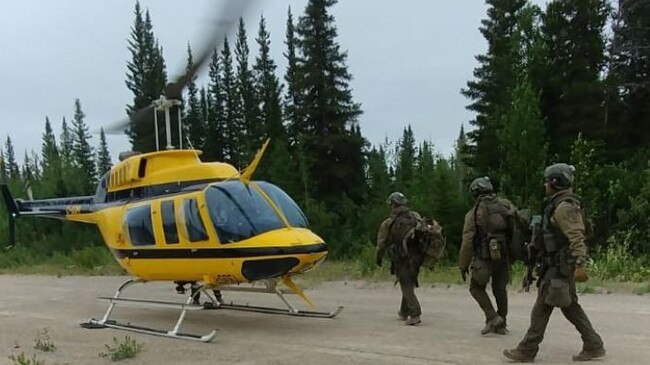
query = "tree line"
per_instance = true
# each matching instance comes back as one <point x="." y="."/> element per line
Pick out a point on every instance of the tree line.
<point x="554" y="85"/>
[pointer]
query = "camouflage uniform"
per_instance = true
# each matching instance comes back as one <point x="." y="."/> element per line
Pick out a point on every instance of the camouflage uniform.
<point x="474" y="253"/>
<point x="562" y="252"/>
<point x="567" y="226"/>
<point x="388" y="239"/>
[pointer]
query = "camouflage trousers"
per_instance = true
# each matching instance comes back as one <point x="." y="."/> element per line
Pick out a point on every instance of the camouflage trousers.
<point x="407" y="278"/>
<point x="499" y="274"/>
<point x="574" y="313"/>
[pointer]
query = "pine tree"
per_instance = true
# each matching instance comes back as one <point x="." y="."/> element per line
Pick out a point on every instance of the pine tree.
<point x="82" y="152"/>
<point x="460" y="158"/>
<point x="251" y="128"/>
<point x="66" y="144"/>
<point x="28" y="172"/>
<point x="494" y="79"/>
<point x="11" y="166"/>
<point x="213" y="103"/>
<point x="146" y="78"/>
<point x="49" y="150"/>
<point x="268" y="87"/>
<point x="232" y="109"/>
<point x="104" y="162"/>
<point x="422" y="180"/>
<point x="292" y="96"/>
<point x="523" y="144"/>
<point x="629" y="79"/>
<point x="52" y="184"/>
<point x="377" y="176"/>
<point x="405" y="164"/>
<point x="333" y="146"/>
<point x="194" y="122"/>
<point x="573" y="93"/>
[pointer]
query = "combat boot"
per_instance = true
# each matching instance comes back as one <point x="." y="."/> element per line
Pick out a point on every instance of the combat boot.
<point x="413" y="321"/>
<point x="586" y="355"/>
<point x="492" y="324"/>
<point x="517" y="356"/>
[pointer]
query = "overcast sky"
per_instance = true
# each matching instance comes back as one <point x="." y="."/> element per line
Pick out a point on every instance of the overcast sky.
<point x="409" y="60"/>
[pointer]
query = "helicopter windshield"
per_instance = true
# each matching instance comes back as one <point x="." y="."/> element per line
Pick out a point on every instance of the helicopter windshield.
<point x="239" y="211"/>
<point x="289" y="208"/>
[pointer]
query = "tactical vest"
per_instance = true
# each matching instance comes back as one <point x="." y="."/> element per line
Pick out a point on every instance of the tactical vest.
<point x="556" y="244"/>
<point x="493" y="237"/>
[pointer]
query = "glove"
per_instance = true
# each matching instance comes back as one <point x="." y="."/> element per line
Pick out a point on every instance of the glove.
<point x="580" y="274"/>
<point x="378" y="261"/>
<point x="463" y="274"/>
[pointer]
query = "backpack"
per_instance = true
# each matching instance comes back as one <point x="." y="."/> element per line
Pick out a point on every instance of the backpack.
<point x="428" y="241"/>
<point x="520" y="234"/>
<point x="398" y="229"/>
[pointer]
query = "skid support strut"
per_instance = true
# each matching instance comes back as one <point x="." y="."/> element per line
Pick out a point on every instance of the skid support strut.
<point x="106" y="322"/>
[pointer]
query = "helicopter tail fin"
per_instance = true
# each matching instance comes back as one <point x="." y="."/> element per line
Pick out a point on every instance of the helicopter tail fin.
<point x="247" y="174"/>
<point x="9" y="201"/>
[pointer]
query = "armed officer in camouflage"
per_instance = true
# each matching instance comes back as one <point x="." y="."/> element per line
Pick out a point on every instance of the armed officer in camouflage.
<point x="562" y="254"/>
<point x="405" y="265"/>
<point x="485" y="248"/>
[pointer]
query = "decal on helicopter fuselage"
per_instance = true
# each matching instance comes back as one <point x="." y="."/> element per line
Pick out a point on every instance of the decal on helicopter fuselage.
<point x="73" y="209"/>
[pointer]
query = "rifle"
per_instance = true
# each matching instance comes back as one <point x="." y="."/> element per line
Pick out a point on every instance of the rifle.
<point x="532" y="251"/>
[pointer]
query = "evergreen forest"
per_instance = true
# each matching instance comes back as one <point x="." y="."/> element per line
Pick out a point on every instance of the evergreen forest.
<point x="566" y="83"/>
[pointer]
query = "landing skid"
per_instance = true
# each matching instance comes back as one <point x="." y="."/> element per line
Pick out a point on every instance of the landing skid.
<point x="213" y="303"/>
<point x="106" y="322"/>
<point x="271" y="310"/>
<point x="270" y="287"/>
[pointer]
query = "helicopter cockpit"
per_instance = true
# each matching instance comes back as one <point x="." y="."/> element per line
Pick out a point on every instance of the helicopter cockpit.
<point x="240" y="211"/>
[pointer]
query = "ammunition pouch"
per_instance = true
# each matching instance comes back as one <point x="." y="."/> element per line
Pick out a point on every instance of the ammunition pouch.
<point x="558" y="293"/>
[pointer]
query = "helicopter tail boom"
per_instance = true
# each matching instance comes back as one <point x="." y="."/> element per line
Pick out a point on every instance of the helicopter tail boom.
<point x="50" y="208"/>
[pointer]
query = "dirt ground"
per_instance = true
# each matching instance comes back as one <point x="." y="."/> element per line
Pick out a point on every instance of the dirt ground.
<point x="367" y="332"/>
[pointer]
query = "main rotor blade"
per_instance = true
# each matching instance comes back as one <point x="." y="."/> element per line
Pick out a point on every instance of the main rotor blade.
<point x="139" y="116"/>
<point x="229" y="15"/>
<point x="228" y="19"/>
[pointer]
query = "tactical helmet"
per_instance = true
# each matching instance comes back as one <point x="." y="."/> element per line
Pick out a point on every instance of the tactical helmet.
<point x="397" y="198"/>
<point x="481" y="185"/>
<point x="559" y="175"/>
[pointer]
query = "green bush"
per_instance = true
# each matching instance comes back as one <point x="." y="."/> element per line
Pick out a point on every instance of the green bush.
<point x="121" y="350"/>
<point x="22" y="359"/>
<point x="616" y="263"/>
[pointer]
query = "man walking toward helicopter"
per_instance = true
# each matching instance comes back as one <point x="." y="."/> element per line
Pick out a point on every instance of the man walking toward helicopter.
<point x="392" y="233"/>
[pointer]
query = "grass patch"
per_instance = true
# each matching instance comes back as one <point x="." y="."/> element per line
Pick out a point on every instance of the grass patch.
<point x="22" y="359"/>
<point x="642" y="290"/>
<point x="121" y="350"/>
<point x="96" y="260"/>
<point x="43" y="342"/>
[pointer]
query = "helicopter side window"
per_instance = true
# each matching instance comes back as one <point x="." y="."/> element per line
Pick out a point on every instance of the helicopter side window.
<point x="239" y="212"/>
<point x="193" y="222"/>
<point x="288" y="206"/>
<point x="169" y="222"/>
<point x="138" y="221"/>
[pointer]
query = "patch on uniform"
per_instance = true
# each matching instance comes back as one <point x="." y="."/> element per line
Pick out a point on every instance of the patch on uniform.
<point x="573" y="214"/>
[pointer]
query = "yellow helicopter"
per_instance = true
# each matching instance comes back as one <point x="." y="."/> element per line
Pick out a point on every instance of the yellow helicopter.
<point x="168" y="216"/>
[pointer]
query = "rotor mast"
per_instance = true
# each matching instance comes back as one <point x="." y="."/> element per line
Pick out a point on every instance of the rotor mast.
<point x="165" y="104"/>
